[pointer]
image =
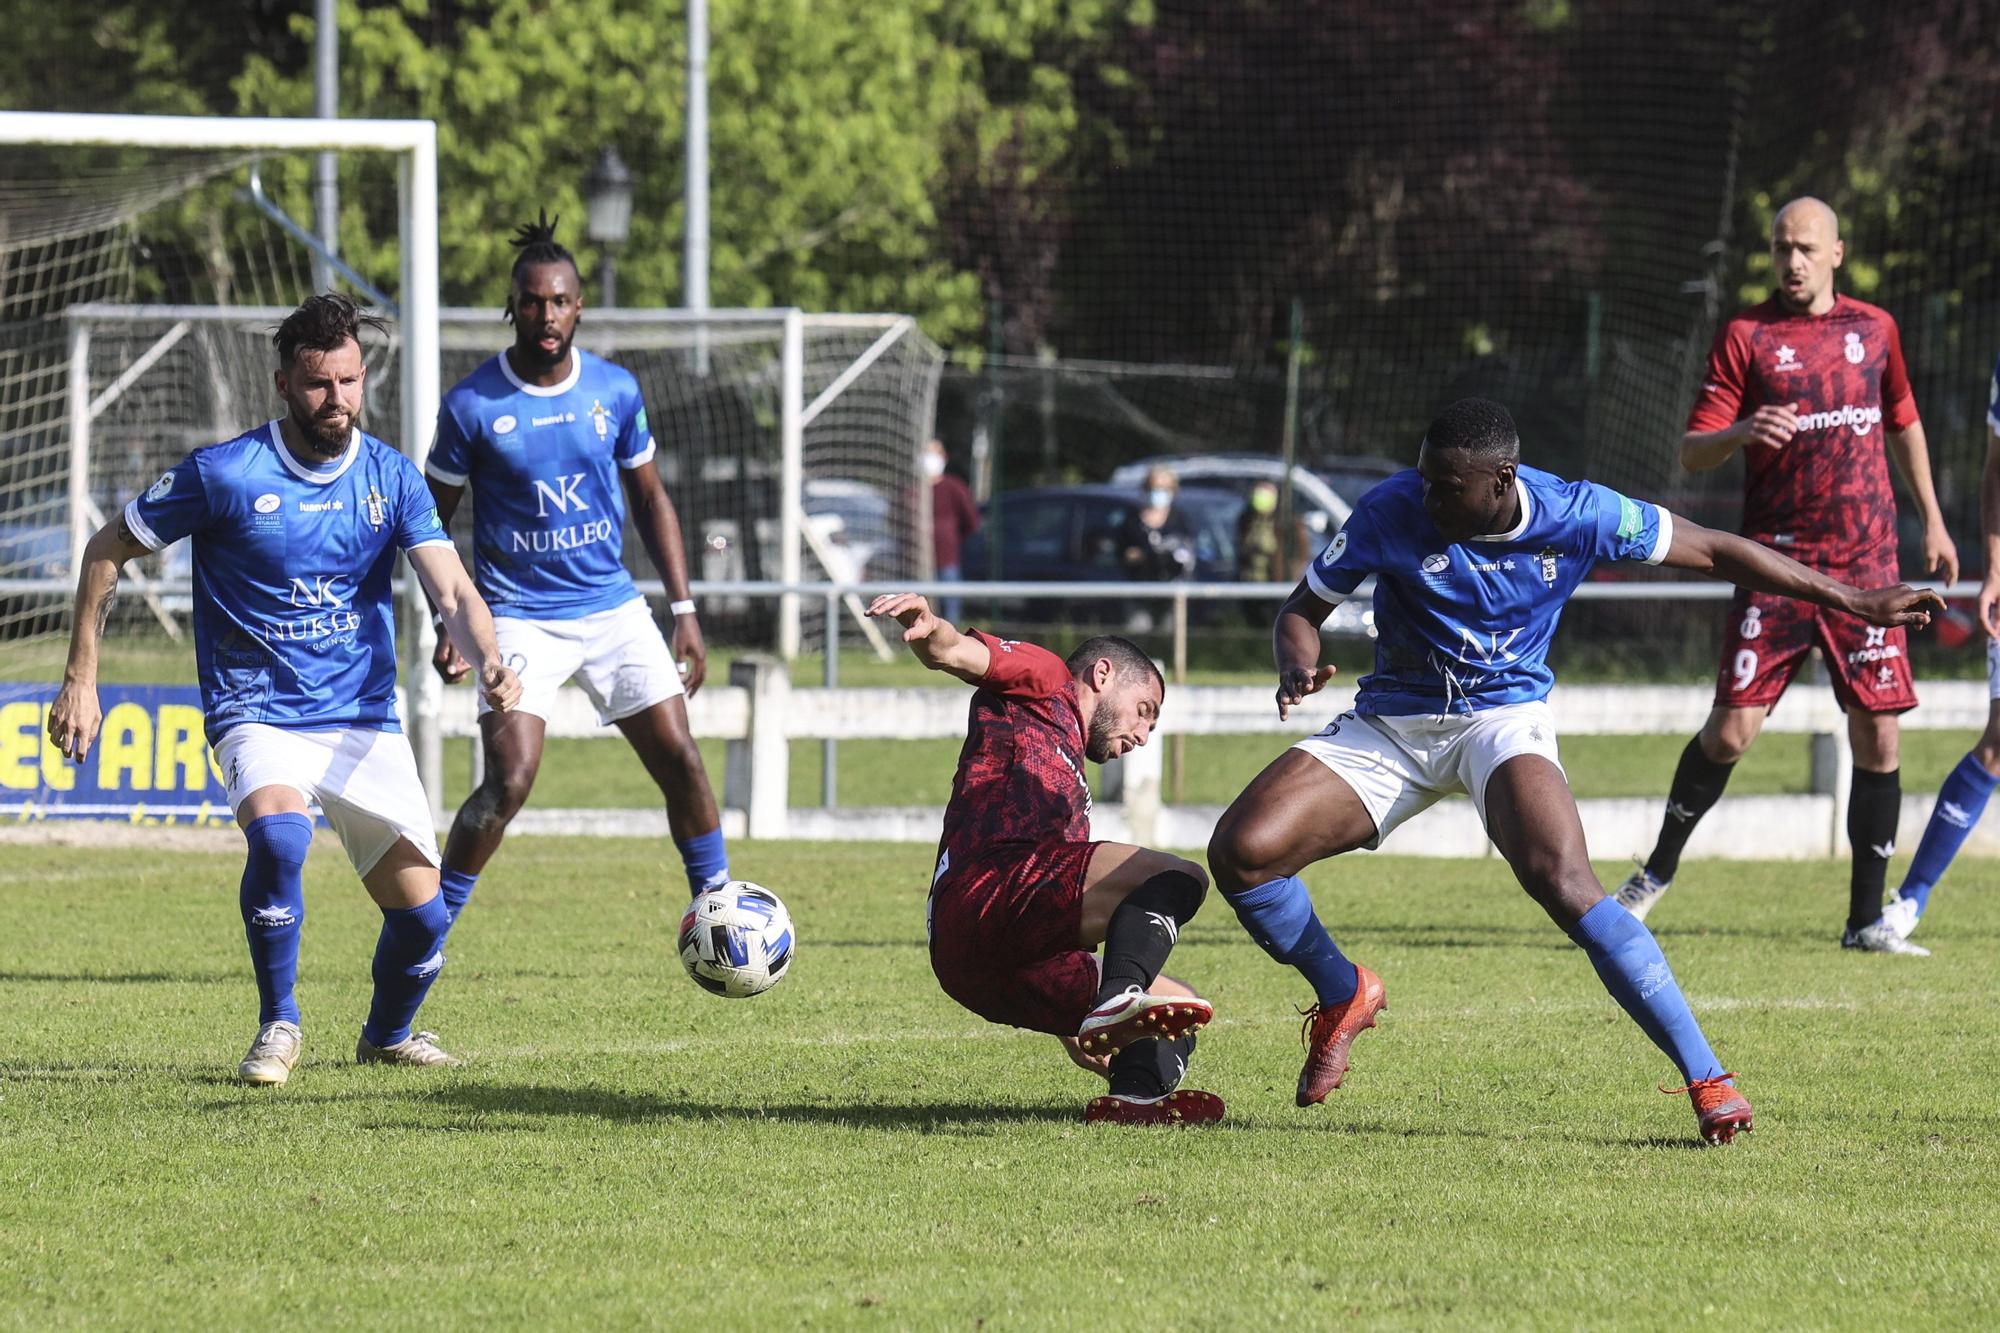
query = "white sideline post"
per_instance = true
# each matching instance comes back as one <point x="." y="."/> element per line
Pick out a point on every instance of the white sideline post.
<point x="416" y="143"/>
<point x="757" y="774"/>
<point x="79" y="444"/>
<point x="791" y="478"/>
<point x="1142" y="792"/>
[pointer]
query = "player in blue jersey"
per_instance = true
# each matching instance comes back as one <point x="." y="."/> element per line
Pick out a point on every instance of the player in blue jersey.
<point x="1969" y="786"/>
<point x="554" y="444"/>
<point x="1473" y="558"/>
<point x="295" y="527"/>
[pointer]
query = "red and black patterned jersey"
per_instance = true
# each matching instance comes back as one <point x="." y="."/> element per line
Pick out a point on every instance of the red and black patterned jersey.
<point x="1020" y="776"/>
<point x="1824" y="498"/>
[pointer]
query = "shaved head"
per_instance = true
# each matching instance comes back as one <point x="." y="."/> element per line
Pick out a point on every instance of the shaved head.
<point x="1807" y="211"/>
<point x="1805" y="250"/>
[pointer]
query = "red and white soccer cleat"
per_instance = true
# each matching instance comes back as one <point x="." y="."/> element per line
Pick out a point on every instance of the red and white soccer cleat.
<point x="1720" y="1111"/>
<point x="1327" y="1033"/>
<point x="1137" y="1016"/>
<point x="1182" y="1106"/>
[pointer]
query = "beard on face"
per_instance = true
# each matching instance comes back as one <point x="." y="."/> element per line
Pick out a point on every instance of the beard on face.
<point x="541" y="360"/>
<point x="326" y="436"/>
<point x="1100" y="743"/>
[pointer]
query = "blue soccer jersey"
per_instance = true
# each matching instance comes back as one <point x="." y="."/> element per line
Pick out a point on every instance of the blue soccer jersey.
<point x="293" y="622"/>
<point x="1993" y="401"/>
<point x="1467" y="626"/>
<point x="548" y="515"/>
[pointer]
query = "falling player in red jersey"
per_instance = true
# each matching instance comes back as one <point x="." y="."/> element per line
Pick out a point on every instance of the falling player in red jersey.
<point x="1021" y="896"/>
<point x="1809" y="387"/>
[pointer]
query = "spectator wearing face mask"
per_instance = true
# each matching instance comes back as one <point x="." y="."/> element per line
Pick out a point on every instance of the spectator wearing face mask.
<point x="954" y="517"/>
<point x="1156" y="541"/>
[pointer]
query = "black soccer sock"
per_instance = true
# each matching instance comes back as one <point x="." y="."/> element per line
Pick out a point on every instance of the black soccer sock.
<point x="1698" y="784"/>
<point x="1143" y="930"/>
<point x="1151" y="1068"/>
<point x="1874" y="808"/>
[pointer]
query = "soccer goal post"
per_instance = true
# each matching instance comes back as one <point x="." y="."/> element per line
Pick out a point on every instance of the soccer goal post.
<point x="414" y="144"/>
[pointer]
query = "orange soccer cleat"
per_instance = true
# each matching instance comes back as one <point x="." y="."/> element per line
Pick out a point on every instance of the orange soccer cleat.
<point x="1720" y="1111"/>
<point x="1327" y="1033"/>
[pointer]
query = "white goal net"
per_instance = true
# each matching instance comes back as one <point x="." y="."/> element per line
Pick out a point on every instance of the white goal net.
<point x="140" y="283"/>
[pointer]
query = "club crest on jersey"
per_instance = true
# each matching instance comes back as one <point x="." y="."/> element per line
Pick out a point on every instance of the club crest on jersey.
<point x="600" y="417"/>
<point x="1548" y="559"/>
<point x="376" y="504"/>
<point x="1853" y="350"/>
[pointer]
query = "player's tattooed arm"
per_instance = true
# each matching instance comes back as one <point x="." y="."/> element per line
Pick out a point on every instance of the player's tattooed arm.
<point x="935" y="640"/>
<point x="449" y="588"/>
<point x="1738" y="560"/>
<point x="74" y="717"/>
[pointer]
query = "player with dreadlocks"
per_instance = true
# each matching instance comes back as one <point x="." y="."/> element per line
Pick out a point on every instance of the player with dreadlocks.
<point x="554" y="443"/>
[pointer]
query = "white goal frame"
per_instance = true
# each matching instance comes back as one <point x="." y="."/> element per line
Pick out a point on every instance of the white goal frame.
<point x="414" y="142"/>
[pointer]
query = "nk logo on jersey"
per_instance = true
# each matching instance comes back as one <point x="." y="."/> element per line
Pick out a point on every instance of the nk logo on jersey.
<point x="563" y="495"/>
<point x="318" y="593"/>
<point x="1491" y="649"/>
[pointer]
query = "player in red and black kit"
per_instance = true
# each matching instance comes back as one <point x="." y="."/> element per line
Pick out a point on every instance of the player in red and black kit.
<point x="1021" y="896"/>
<point x="1810" y="386"/>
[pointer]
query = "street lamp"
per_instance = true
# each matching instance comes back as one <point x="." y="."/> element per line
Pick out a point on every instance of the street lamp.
<point x="607" y="206"/>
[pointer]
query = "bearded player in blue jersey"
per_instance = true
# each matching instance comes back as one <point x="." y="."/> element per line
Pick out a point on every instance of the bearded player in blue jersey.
<point x="295" y="527"/>
<point x="554" y="443"/>
<point x="1473" y="557"/>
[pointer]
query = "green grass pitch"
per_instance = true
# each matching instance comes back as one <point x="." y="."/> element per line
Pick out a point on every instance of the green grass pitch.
<point x="853" y="1150"/>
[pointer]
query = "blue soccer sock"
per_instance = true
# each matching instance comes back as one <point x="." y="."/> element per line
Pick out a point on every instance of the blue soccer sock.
<point x="1279" y="916"/>
<point x="706" y="859"/>
<point x="272" y="896"/>
<point x="455" y="887"/>
<point x="1960" y="802"/>
<point x="1629" y="962"/>
<point x="408" y="956"/>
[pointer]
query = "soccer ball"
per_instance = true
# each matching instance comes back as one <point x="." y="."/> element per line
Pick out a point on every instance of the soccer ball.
<point x="736" y="941"/>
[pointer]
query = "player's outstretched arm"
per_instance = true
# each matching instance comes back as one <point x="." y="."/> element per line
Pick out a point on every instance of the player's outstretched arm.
<point x="935" y="640"/>
<point x="1295" y="644"/>
<point x="1738" y="560"/>
<point x="659" y="525"/>
<point x="466" y="617"/>
<point x="74" y="717"/>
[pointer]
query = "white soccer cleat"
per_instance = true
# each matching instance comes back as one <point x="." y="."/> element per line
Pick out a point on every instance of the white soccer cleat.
<point x="1640" y="891"/>
<point x="271" y="1056"/>
<point x="1901" y="915"/>
<point x="1880" y="937"/>
<point x="419" y="1050"/>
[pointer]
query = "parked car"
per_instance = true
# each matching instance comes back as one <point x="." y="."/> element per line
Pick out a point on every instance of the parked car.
<point x="1050" y="534"/>
<point x="1317" y="504"/>
<point x="1353" y="477"/>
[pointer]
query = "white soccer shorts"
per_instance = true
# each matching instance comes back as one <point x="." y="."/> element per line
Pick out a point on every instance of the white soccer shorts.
<point x="617" y="656"/>
<point x="1993" y="668"/>
<point x="363" y="778"/>
<point x="1401" y="766"/>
